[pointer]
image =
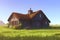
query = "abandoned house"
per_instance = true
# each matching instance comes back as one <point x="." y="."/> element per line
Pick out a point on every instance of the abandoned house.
<point x="31" y="20"/>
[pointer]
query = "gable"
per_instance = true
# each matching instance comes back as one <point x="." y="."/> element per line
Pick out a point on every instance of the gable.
<point x="38" y="17"/>
<point x="41" y="16"/>
<point x="14" y="19"/>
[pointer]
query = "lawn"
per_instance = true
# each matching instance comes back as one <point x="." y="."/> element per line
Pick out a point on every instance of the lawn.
<point x="24" y="34"/>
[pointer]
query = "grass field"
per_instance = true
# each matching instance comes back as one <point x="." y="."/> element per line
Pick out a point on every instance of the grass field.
<point x="24" y="34"/>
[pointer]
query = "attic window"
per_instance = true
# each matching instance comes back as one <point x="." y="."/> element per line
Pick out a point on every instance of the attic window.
<point x="40" y="15"/>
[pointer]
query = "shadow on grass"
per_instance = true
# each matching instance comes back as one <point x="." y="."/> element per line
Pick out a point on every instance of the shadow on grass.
<point x="49" y="27"/>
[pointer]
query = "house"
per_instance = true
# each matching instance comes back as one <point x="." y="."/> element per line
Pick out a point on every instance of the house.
<point x="31" y="20"/>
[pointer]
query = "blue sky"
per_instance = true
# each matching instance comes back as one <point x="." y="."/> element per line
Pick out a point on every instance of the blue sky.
<point x="51" y="8"/>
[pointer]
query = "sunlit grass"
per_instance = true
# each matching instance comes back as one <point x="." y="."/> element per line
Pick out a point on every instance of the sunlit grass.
<point x="42" y="32"/>
<point x="12" y="33"/>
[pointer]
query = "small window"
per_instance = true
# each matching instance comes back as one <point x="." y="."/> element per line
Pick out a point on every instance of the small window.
<point x="40" y="15"/>
<point x="14" y="23"/>
<point x="46" y="22"/>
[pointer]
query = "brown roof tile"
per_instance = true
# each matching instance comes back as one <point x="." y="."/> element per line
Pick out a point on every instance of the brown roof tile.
<point x="26" y="16"/>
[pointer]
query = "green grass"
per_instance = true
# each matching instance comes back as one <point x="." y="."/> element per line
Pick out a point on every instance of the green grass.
<point x="24" y="34"/>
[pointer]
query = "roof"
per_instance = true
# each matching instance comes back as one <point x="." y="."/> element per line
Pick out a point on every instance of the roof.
<point x="27" y="16"/>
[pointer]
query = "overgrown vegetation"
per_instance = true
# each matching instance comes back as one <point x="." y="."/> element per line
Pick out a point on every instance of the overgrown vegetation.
<point x="24" y="34"/>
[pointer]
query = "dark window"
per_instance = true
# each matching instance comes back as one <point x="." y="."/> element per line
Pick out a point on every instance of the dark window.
<point x="14" y="23"/>
<point x="40" y="15"/>
<point x="46" y="22"/>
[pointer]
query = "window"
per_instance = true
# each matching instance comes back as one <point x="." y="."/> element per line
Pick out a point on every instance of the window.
<point x="40" y="15"/>
<point x="46" y="22"/>
<point x="14" y="23"/>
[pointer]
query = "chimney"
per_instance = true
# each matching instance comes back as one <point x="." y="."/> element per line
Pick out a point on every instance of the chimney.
<point x="30" y="11"/>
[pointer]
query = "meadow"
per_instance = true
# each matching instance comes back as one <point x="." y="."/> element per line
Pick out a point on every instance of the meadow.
<point x="25" y="34"/>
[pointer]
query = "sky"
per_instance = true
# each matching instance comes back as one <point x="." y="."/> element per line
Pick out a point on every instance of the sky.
<point x="51" y="8"/>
